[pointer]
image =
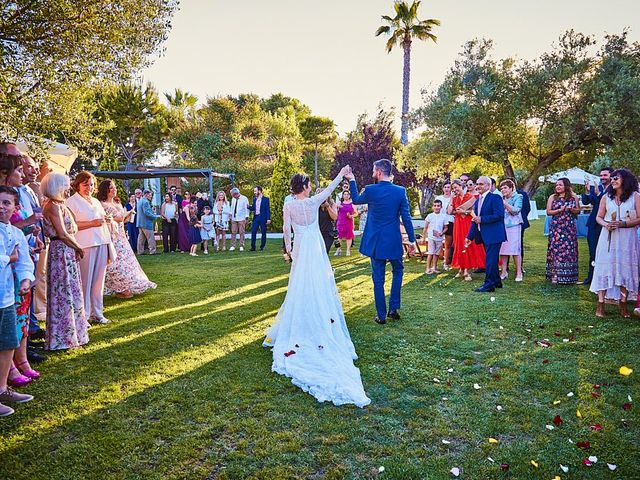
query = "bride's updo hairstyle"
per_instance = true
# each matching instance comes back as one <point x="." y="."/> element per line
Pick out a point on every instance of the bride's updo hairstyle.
<point x="299" y="182"/>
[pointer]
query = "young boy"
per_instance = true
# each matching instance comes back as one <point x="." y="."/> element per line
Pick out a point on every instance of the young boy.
<point x="14" y="258"/>
<point x="433" y="231"/>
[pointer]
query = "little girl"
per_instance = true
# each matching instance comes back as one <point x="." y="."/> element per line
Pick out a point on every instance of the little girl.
<point x="194" y="227"/>
<point x="222" y="213"/>
<point x="207" y="232"/>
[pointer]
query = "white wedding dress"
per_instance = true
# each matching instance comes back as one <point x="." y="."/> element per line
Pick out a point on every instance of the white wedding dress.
<point x="310" y="340"/>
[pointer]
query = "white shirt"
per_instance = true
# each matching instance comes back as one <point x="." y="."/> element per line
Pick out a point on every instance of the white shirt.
<point x="446" y="201"/>
<point x="239" y="208"/>
<point x="10" y="237"/>
<point x="83" y="211"/>
<point x="436" y="222"/>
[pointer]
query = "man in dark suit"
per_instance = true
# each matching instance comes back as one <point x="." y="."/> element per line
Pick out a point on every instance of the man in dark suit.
<point x="592" y="195"/>
<point x="382" y="240"/>
<point x="488" y="228"/>
<point x="526" y="209"/>
<point x="261" y="217"/>
<point x="175" y="196"/>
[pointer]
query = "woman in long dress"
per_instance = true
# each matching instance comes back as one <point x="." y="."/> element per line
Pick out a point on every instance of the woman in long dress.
<point x="562" y="251"/>
<point x="616" y="269"/>
<point x="67" y="325"/>
<point x="184" y="243"/>
<point x="473" y="256"/>
<point x="125" y="277"/>
<point x="310" y="340"/>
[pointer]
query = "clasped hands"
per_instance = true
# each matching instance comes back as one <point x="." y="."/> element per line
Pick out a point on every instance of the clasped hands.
<point x="347" y="173"/>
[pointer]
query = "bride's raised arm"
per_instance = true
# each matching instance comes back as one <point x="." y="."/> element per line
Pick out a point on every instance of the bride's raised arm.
<point x="326" y="193"/>
<point x="286" y="226"/>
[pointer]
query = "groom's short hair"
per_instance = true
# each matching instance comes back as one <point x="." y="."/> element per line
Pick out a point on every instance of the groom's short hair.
<point x="384" y="166"/>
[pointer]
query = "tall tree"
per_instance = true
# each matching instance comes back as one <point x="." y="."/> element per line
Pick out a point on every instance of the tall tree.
<point x="284" y="168"/>
<point x="317" y="131"/>
<point x="402" y="29"/>
<point x="51" y="50"/>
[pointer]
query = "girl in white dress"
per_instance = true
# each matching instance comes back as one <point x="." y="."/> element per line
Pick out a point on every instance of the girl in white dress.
<point x="310" y="340"/>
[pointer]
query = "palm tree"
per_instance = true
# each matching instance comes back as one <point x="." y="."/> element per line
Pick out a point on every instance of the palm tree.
<point x="402" y="29"/>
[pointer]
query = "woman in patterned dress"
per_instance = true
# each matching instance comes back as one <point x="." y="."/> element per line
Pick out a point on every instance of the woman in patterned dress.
<point x="562" y="252"/>
<point x="67" y="326"/>
<point x="125" y="278"/>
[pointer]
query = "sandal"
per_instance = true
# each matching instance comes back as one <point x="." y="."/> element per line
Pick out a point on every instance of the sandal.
<point x="458" y="275"/>
<point x="30" y="372"/>
<point x="19" y="380"/>
<point x="468" y="278"/>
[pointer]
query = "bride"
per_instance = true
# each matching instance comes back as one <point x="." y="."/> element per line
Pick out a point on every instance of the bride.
<point x="310" y="340"/>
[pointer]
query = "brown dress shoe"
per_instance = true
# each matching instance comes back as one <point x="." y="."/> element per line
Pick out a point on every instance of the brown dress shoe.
<point x="600" y="310"/>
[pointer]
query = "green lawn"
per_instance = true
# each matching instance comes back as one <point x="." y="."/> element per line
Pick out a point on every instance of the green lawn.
<point x="178" y="386"/>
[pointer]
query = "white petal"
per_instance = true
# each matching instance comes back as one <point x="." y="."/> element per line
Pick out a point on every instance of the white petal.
<point x="493" y="299"/>
<point x="499" y="408"/>
<point x="563" y="468"/>
<point x="455" y="471"/>
<point x="550" y="427"/>
<point x="593" y="459"/>
<point x="491" y="460"/>
<point x="381" y="469"/>
<point x="436" y="380"/>
<point x="446" y="442"/>
<point x="450" y="370"/>
<point x="570" y="394"/>
<point x="612" y="466"/>
<point x="476" y="386"/>
<point x="629" y="397"/>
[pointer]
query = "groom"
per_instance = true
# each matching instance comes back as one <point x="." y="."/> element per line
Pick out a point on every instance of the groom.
<point x="382" y="240"/>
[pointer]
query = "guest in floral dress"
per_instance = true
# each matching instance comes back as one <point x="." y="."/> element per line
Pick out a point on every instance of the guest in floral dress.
<point x="562" y="252"/>
<point x="125" y="277"/>
<point x="67" y="326"/>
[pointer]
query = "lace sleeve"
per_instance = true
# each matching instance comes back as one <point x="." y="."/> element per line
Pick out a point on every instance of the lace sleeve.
<point x="286" y="227"/>
<point x="326" y="193"/>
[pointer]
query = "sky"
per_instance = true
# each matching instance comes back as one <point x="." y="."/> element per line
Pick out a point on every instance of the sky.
<point x="325" y="53"/>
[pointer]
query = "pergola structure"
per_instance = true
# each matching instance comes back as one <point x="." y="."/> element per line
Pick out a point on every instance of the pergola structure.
<point x="166" y="172"/>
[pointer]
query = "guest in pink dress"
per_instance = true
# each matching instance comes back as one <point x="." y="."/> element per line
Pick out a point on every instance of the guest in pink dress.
<point x="67" y="326"/>
<point x="346" y="214"/>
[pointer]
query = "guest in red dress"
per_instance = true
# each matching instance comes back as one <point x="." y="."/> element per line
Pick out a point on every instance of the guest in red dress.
<point x="464" y="258"/>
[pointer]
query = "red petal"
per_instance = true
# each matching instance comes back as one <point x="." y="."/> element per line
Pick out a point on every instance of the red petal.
<point x="583" y="444"/>
<point x="545" y="361"/>
<point x="557" y="420"/>
<point x="596" y="394"/>
<point x="596" y="386"/>
<point x="504" y="467"/>
<point x="587" y="462"/>
<point x="289" y="353"/>
<point x="497" y="377"/>
<point x="557" y="334"/>
<point x="627" y="406"/>
<point x="596" y="427"/>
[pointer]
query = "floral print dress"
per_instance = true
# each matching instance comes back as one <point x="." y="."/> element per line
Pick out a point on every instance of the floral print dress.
<point x="124" y="274"/>
<point x="67" y="326"/>
<point x="562" y="252"/>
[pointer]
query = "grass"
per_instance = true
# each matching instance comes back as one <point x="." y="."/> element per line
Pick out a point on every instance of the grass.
<point x="178" y="386"/>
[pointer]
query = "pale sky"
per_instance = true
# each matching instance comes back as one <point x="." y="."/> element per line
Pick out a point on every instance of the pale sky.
<point x="324" y="52"/>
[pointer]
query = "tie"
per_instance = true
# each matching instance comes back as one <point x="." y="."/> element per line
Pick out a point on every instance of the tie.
<point x="235" y="207"/>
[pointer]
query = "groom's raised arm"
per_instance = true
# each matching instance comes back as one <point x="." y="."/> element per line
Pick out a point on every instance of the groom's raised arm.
<point x="356" y="198"/>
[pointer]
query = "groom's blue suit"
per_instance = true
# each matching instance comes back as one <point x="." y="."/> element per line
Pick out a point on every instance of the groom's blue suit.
<point x="382" y="240"/>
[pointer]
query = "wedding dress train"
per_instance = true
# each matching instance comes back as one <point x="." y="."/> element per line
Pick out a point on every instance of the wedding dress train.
<point x="310" y="340"/>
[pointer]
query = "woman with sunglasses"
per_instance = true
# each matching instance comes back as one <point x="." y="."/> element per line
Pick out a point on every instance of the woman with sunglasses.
<point x="617" y="266"/>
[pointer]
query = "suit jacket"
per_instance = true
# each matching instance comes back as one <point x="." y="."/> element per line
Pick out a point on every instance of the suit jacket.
<point x="387" y="202"/>
<point x="492" y="229"/>
<point x="146" y="217"/>
<point x="593" y="198"/>
<point x="526" y="208"/>
<point x="265" y="208"/>
<point x="178" y="199"/>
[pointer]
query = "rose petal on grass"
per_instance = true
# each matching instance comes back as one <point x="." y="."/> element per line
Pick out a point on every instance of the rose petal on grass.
<point x="596" y="386"/>
<point x="612" y="466"/>
<point x="491" y="460"/>
<point x="557" y="477"/>
<point x="563" y="468"/>
<point x="583" y="444"/>
<point x="450" y="294"/>
<point x="556" y="402"/>
<point x="499" y="408"/>
<point x="446" y="442"/>
<point x="545" y="361"/>
<point x="493" y="440"/>
<point x="476" y="386"/>
<point x="597" y="427"/>
<point x="493" y="299"/>
<point x="629" y="398"/>
<point x="450" y="370"/>
<point x="587" y="462"/>
<point x="596" y="394"/>
<point x="534" y="463"/>
<point x="436" y="380"/>
<point x="550" y="427"/>
<point x="626" y="371"/>
<point x="381" y="469"/>
<point x="626" y="406"/>
<point x="455" y="471"/>
<point x="504" y="467"/>
<point x="578" y="414"/>
<point x="557" y="420"/>
<point x="593" y="459"/>
<point x="570" y="394"/>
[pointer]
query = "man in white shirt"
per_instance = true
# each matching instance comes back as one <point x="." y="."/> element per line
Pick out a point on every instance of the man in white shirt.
<point x="239" y="216"/>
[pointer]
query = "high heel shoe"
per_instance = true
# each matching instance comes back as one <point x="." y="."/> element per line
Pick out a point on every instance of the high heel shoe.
<point x="622" y="307"/>
<point x="19" y="380"/>
<point x="30" y="372"/>
<point x="600" y="310"/>
<point x="504" y="276"/>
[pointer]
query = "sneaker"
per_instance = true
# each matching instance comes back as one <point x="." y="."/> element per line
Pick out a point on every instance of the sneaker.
<point x="6" y="411"/>
<point x="242" y="249"/>
<point x="232" y="248"/>
<point x="206" y="252"/>
<point x="338" y="253"/>
<point x="11" y="396"/>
